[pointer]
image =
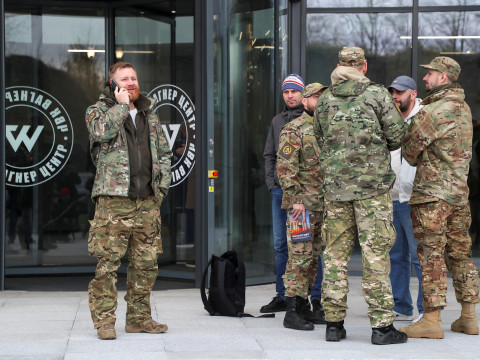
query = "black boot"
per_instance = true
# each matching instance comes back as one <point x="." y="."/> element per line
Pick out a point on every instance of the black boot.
<point x="303" y="308"/>
<point x="318" y="315"/>
<point x="292" y="319"/>
<point x="388" y="335"/>
<point x="335" y="331"/>
<point x="277" y="304"/>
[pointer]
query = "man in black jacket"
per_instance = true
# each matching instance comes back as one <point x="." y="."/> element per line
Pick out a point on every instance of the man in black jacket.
<point x="292" y="88"/>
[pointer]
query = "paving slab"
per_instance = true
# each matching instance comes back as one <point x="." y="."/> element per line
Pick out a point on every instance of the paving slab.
<point x="57" y="325"/>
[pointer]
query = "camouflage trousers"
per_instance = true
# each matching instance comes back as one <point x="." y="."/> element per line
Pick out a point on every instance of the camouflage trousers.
<point x="372" y="218"/>
<point x="301" y="269"/>
<point x="441" y="230"/>
<point x="120" y="225"/>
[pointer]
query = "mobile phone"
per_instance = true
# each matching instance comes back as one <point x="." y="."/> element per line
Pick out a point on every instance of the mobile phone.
<point x="114" y="85"/>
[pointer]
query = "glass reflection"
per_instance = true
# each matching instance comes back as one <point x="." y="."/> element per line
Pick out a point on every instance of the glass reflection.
<point x="356" y="3"/>
<point x="448" y="2"/>
<point x="244" y="107"/>
<point x="57" y="59"/>
<point x="378" y="34"/>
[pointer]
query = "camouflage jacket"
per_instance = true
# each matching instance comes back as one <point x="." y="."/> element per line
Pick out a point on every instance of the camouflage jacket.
<point x="357" y="124"/>
<point x="108" y="147"/>
<point x="271" y="144"/>
<point x="298" y="165"/>
<point x="439" y="143"/>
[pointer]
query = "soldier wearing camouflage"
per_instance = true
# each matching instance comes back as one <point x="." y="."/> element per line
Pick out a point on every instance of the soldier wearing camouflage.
<point x="358" y="124"/>
<point x="439" y="143"/>
<point x="132" y="159"/>
<point x="298" y="170"/>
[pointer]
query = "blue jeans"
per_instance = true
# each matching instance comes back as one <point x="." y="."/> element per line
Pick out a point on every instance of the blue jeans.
<point x="317" y="286"/>
<point x="404" y="252"/>
<point x="279" y="222"/>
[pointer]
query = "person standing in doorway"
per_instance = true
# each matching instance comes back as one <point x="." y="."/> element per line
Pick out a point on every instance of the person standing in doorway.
<point x="292" y="88"/>
<point x="133" y="161"/>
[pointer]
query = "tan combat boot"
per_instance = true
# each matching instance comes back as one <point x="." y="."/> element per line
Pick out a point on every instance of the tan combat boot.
<point x="467" y="323"/>
<point x="146" y="326"/>
<point x="106" y="332"/>
<point x="429" y="327"/>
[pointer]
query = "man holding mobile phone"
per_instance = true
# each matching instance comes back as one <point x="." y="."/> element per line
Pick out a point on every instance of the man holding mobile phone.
<point x="133" y="160"/>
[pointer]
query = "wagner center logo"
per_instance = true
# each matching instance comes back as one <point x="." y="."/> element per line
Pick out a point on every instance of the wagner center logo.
<point x="176" y="112"/>
<point x="39" y="136"/>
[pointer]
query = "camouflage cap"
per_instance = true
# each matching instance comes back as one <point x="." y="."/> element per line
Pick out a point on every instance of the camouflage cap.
<point x="351" y="56"/>
<point x="445" y="65"/>
<point x="312" y="88"/>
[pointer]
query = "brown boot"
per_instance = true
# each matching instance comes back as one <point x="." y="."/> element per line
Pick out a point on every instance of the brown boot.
<point x="467" y="323"/>
<point x="106" y="332"/>
<point x="429" y="327"/>
<point x="146" y="326"/>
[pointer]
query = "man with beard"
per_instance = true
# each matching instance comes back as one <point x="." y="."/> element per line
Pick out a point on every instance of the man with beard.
<point x="292" y="88"/>
<point x="298" y="169"/>
<point x="404" y="252"/>
<point x="439" y="143"/>
<point x="133" y="159"/>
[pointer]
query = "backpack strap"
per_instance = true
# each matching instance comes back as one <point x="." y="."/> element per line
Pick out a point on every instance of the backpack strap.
<point x="272" y="315"/>
<point x="206" y="304"/>
<point x="240" y="284"/>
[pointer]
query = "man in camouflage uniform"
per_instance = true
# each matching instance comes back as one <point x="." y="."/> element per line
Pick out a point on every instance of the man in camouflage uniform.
<point x="298" y="170"/>
<point x="132" y="158"/>
<point x="439" y="143"/>
<point x="357" y="124"/>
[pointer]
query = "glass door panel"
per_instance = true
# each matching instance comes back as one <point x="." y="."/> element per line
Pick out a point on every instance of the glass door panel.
<point x="159" y="43"/>
<point x="55" y="61"/>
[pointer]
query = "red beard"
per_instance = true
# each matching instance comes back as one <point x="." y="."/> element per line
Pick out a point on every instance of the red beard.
<point x="135" y="95"/>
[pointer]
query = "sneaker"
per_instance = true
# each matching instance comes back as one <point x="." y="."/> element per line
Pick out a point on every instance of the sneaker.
<point x="146" y="326"/>
<point x="277" y="304"/>
<point x="388" y="335"/>
<point x="402" y="317"/>
<point x="335" y="331"/>
<point x="106" y="332"/>
<point x="418" y="318"/>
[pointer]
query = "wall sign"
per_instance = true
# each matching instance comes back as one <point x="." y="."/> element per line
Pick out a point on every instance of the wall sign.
<point x="176" y="112"/>
<point x="39" y="136"/>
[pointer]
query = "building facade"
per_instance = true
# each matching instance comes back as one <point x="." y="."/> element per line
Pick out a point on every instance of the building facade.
<point x="215" y="68"/>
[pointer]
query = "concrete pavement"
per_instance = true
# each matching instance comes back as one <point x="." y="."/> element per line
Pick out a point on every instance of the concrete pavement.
<point x="57" y="325"/>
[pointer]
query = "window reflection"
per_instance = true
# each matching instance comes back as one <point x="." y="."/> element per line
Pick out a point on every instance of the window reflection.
<point x="244" y="107"/>
<point x="448" y="2"/>
<point x="47" y="222"/>
<point x="446" y="27"/>
<point x="378" y="34"/>
<point x="356" y="3"/>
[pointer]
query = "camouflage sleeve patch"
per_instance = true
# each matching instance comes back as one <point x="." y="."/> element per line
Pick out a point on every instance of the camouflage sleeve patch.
<point x="92" y="115"/>
<point x="294" y="142"/>
<point x="286" y="151"/>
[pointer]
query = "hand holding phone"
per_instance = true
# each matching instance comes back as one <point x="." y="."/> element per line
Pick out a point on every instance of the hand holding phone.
<point x="122" y="94"/>
<point x="114" y="85"/>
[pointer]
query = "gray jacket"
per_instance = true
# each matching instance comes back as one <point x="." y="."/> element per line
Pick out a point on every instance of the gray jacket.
<point x="271" y="145"/>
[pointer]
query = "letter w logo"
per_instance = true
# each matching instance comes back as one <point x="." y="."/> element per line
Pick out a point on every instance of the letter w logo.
<point x="22" y="136"/>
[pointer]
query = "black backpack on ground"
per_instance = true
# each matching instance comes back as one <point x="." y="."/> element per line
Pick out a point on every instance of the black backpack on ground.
<point x="226" y="296"/>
